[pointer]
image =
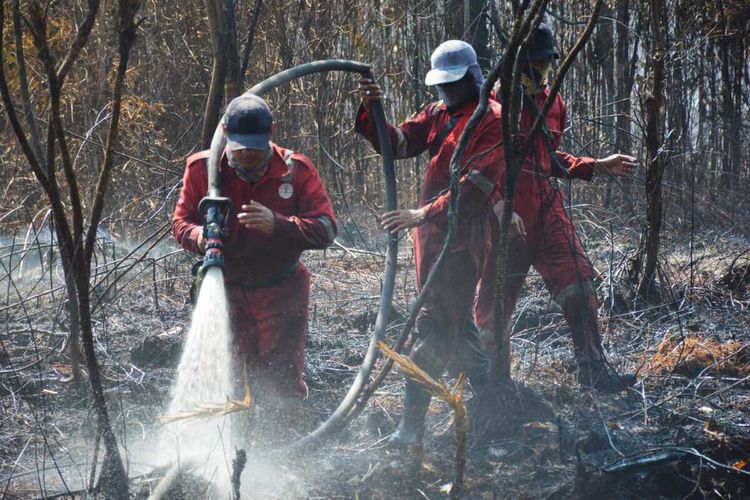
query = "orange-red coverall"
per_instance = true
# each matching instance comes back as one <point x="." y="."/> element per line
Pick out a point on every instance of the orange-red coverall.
<point x="551" y="244"/>
<point x="268" y="288"/>
<point x="448" y="305"/>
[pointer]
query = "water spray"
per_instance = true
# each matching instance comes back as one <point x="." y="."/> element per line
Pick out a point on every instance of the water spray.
<point x="205" y="352"/>
<point x="204" y="383"/>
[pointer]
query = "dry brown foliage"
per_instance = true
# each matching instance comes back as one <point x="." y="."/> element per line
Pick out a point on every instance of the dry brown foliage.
<point x="693" y="355"/>
<point x="209" y="410"/>
<point x="454" y="396"/>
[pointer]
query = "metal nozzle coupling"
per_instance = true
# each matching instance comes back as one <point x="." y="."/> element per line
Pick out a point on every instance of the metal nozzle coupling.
<point x="215" y="211"/>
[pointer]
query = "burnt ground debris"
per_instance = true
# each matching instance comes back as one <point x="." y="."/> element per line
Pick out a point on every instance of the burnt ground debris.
<point x="681" y="433"/>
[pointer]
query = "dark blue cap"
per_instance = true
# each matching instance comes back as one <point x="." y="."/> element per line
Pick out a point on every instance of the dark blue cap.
<point x="541" y="45"/>
<point x="248" y="122"/>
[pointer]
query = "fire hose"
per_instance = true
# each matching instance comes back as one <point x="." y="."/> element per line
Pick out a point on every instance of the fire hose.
<point x="215" y="207"/>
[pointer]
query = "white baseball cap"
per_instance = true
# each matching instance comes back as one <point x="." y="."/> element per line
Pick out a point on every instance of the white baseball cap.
<point x="450" y="62"/>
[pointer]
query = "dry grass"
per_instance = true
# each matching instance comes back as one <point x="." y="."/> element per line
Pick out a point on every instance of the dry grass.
<point x="693" y="355"/>
<point x="454" y="396"/>
<point x="214" y="410"/>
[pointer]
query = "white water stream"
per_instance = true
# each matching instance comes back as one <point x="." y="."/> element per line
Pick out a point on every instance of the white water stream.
<point x="204" y="378"/>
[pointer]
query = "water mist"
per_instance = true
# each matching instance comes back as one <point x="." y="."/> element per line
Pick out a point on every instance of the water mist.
<point x="204" y="377"/>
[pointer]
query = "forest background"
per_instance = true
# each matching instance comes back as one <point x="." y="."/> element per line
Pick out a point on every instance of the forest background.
<point x="705" y="128"/>
<point x="188" y="58"/>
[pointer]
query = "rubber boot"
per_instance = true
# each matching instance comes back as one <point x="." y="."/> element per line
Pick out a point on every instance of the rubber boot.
<point x="471" y="359"/>
<point x="580" y="311"/>
<point x="594" y="372"/>
<point x="598" y="375"/>
<point x="410" y="430"/>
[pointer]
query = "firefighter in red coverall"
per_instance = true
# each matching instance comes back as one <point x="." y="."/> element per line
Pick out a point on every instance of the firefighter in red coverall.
<point x="437" y="128"/>
<point x="281" y="210"/>
<point x="542" y="232"/>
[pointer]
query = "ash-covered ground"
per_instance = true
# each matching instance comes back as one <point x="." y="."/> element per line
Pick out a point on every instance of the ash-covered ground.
<point x="683" y="432"/>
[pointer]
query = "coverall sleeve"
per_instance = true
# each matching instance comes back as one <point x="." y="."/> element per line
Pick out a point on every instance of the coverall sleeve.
<point x="408" y="139"/>
<point x="577" y="167"/>
<point x="186" y="221"/>
<point x="482" y="171"/>
<point x="314" y="225"/>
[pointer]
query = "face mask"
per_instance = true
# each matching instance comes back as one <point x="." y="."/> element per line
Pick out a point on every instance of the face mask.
<point x="248" y="174"/>
<point x="457" y="93"/>
<point x="450" y="99"/>
<point x="535" y="80"/>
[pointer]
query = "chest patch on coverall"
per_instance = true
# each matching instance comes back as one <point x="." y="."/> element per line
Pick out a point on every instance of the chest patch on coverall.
<point x="286" y="190"/>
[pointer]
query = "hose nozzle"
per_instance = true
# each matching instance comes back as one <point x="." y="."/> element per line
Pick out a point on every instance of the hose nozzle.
<point x="215" y="212"/>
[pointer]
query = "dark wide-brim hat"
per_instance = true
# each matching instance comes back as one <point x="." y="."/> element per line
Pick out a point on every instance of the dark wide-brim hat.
<point x="248" y="121"/>
<point x="541" y="46"/>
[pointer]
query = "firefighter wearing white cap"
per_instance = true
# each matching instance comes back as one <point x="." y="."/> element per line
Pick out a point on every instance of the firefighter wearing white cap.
<point x="442" y="339"/>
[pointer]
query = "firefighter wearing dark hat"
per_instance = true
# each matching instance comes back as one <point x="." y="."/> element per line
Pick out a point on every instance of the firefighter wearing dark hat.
<point x="436" y="129"/>
<point x="543" y="234"/>
<point x="281" y="210"/>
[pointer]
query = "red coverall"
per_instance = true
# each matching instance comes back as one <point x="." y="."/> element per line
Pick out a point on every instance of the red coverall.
<point x="551" y="244"/>
<point x="448" y="306"/>
<point x="268" y="288"/>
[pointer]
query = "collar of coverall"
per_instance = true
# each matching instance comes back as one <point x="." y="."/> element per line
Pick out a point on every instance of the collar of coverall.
<point x="542" y="93"/>
<point x="277" y="167"/>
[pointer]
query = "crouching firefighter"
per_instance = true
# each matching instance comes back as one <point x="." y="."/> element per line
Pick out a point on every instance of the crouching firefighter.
<point x="442" y="341"/>
<point x="280" y="209"/>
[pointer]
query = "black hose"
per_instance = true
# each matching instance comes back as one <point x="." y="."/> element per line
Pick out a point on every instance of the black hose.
<point x="325" y="65"/>
<point x="337" y="418"/>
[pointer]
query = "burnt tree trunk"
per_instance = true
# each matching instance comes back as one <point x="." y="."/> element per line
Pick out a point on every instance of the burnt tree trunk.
<point x="416" y="88"/>
<point x="232" y="85"/>
<point x="454" y="19"/>
<point x="249" y="42"/>
<point x="477" y="33"/>
<point x="218" y="11"/>
<point x="654" y="131"/>
<point x="623" y="82"/>
<point x="71" y="305"/>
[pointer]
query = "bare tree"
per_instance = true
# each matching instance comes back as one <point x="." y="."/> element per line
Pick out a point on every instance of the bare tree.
<point x="622" y="75"/>
<point x="76" y="235"/>
<point x="456" y="12"/>
<point x="249" y="42"/>
<point x="656" y="158"/>
<point x="477" y="33"/>
<point x="225" y="73"/>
